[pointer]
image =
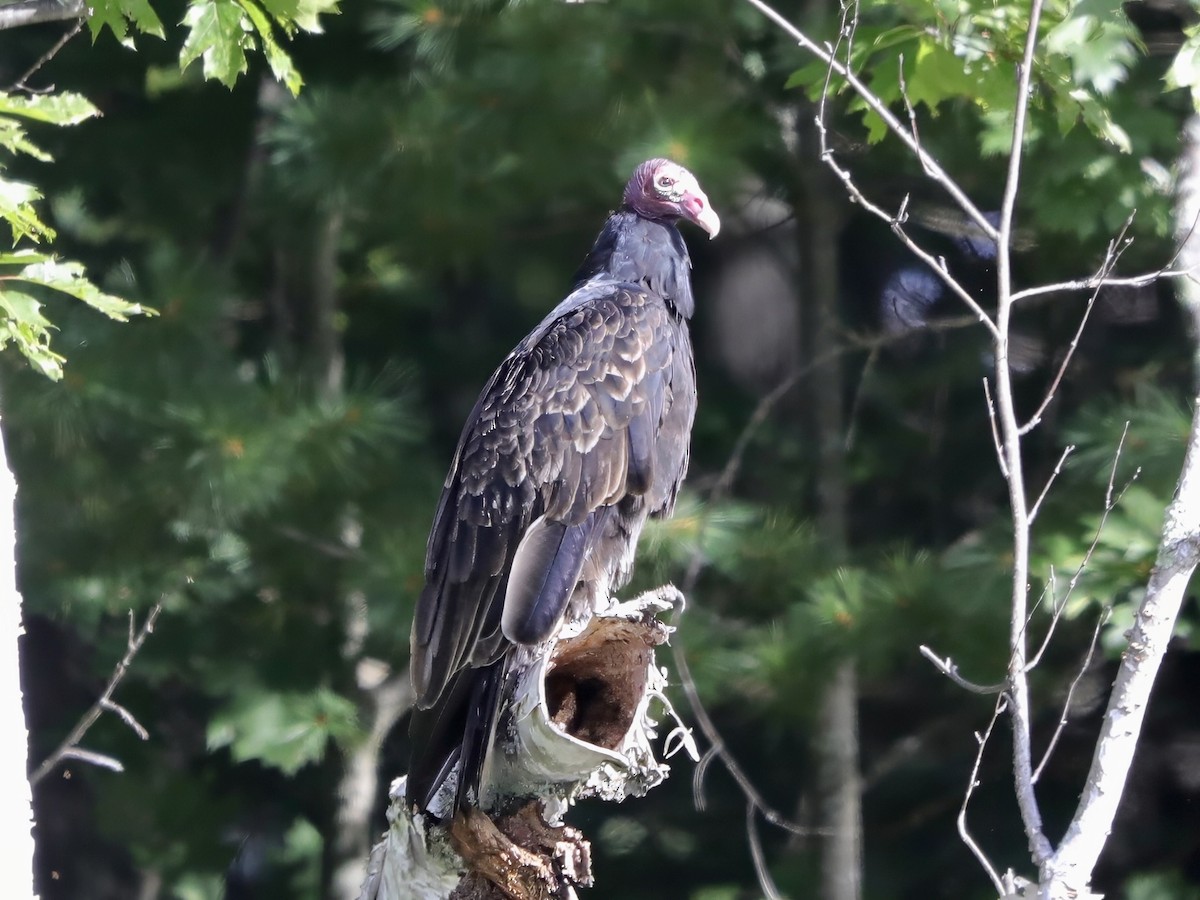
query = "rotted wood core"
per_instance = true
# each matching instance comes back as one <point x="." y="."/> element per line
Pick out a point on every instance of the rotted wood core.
<point x="598" y="678"/>
<point x="519" y="856"/>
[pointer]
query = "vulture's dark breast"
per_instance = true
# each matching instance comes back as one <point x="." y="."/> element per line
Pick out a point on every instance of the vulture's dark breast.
<point x="578" y="437"/>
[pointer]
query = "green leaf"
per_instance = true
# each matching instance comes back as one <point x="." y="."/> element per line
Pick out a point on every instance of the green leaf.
<point x="24" y="325"/>
<point x="1098" y="118"/>
<point x="280" y="61"/>
<point x="16" y="208"/>
<point x="302" y="14"/>
<point x="65" y="108"/>
<point x="218" y="33"/>
<point x="22" y="258"/>
<point x="1100" y="42"/>
<point x="1185" y="68"/>
<point x="13" y="139"/>
<point x="69" y="278"/>
<point x="116" y="14"/>
<point x="284" y="730"/>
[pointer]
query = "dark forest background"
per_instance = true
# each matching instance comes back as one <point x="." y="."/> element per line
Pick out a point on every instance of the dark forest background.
<point x="337" y="274"/>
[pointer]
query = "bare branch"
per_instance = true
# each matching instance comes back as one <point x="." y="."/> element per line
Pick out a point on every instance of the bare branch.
<point x="991" y="405"/>
<point x="1112" y="473"/>
<point x="125" y="716"/>
<point x="1110" y="504"/>
<point x="1010" y="433"/>
<point x="908" y="107"/>
<point x="1179" y="552"/>
<point x="699" y="800"/>
<point x="950" y="670"/>
<point x="1033" y="511"/>
<point x="896" y="223"/>
<point x="1116" y="247"/>
<point x="22" y="83"/>
<point x="1050" y="589"/>
<point x="69" y="748"/>
<point x="718" y="747"/>
<point x="963" y="831"/>
<point x="1066" y="708"/>
<point x="936" y="172"/>
<point x="33" y="12"/>
<point x="1102" y="278"/>
<point x="770" y="891"/>
<point x="1088" y="284"/>
<point x="103" y="760"/>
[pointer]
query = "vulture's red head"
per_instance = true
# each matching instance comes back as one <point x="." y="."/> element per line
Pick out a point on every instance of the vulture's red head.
<point x="665" y="191"/>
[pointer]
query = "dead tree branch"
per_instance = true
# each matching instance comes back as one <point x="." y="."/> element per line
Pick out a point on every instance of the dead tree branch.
<point x="69" y="748"/>
<point x="34" y="12"/>
<point x="581" y="720"/>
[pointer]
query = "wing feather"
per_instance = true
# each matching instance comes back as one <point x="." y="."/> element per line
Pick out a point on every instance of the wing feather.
<point x="565" y="427"/>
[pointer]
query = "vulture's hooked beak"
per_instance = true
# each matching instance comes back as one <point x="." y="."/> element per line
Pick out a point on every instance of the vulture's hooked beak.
<point x="696" y="207"/>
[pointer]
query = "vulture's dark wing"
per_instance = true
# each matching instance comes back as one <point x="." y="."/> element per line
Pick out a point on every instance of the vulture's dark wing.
<point x="565" y="428"/>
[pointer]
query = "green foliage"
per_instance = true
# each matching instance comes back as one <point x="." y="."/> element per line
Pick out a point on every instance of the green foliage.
<point x="222" y="32"/>
<point x="118" y="15"/>
<point x="287" y="731"/>
<point x="1185" y="68"/>
<point x="962" y="51"/>
<point x="23" y="323"/>
<point x="960" y="57"/>
<point x="439" y="178"/>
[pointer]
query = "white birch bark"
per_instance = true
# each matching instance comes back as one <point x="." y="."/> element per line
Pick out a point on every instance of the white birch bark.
<point x="16" y="835"/>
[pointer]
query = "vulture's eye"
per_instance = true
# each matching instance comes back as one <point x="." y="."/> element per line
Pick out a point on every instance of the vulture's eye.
<point x="666" y="181"/>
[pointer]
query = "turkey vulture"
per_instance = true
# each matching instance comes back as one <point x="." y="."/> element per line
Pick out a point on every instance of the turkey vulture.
<point x="578" y="437"/>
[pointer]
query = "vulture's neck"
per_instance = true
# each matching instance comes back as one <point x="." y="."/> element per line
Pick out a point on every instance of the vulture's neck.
<point x="643" y="252"/>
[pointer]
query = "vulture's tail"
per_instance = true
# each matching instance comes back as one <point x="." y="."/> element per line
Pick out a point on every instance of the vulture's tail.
<point x="458" y="729"/>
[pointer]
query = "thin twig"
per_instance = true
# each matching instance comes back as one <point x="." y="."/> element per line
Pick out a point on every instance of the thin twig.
<point x="770" y="891"/>
<point x="1104" y="279"/>
<point x="718" y="746"/>
<point x="856" y="404"/>
<point x="699" y="800"/>
<point x="69" y="748"/>
<point x="912" y="113"/>
<point x="991" y="406"/>
<point x="1116" y="247"/>
<point x="21" y="84"/>
<point x="894" y="220"/>
<point x="1049" y="589"/>
<point x="1037" y="505"/>
<point x="1110" y="503"/>
<point x="963" y="831"/>
<point x="1112" y="472"/>
<point x="91" y="757"/>
<point x="950" y="670"/>
<point x="936" y="172"/>
<point x="1066" y="708"/>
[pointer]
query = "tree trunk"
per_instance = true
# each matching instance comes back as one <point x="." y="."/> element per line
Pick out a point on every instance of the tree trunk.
<point x="1187" y="228"/>
<point x="1069" y="870"/>
<point x="839" y="784"/>
<point x="544" y="757"/>
<point x="16" y="836"/>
